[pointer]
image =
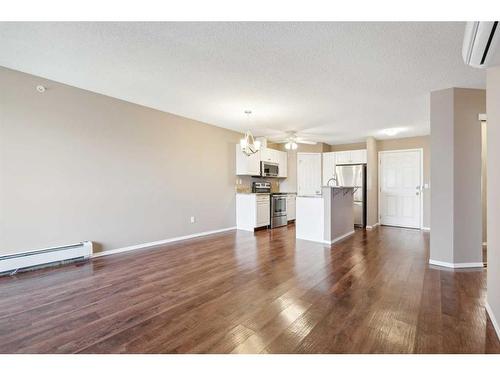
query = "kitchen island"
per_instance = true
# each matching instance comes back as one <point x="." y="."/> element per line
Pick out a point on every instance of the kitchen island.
<point x="326" y="218"/>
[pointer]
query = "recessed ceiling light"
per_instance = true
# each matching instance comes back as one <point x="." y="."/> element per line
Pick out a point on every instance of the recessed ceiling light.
<point x="40" y="88"/>
<point x="392" y="131"/>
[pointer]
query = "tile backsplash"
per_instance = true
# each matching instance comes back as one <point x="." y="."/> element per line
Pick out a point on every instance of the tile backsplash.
<point x="244" y="183"/>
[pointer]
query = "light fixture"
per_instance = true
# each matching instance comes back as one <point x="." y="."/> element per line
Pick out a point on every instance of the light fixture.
<point x="391" y="132"/>
<point x="40" y="88"/>
<point x="248" y="144"/>
<point x="291" y="145"/>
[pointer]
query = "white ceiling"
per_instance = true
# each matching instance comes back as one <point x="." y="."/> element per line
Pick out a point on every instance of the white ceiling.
<point x="337" y="82"/>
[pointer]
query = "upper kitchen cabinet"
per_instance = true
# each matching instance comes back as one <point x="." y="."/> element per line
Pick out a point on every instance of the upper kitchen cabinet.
<point x="350" y="157"/>
<point x="270" y="155"/>
<point x="247" y="165"/>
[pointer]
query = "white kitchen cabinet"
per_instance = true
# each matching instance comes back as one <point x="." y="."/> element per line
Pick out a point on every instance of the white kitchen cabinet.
<point x="350" y="157"/>
<point x="271" y="155"/>
<point x="290" y="206"/>
<point x="358" y="156"/>
<point x="283" y="164"/>
<point x="309" y="173"/>
<point x="343" y="157"/>
<point x="328" y="166"/>
<point x="247" y="165"/>
<point x="263" y="211"/>
<point x="252" y="211"/>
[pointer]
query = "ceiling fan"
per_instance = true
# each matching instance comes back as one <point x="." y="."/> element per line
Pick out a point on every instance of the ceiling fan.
<point x="292" y="139"/>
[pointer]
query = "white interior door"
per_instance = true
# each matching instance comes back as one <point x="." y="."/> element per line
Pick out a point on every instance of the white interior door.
<point x="400" y="188"/>
<point x="308" y="174"/>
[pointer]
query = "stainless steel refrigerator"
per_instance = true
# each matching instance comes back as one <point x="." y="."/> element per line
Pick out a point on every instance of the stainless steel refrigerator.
<point x="354" y="175"/>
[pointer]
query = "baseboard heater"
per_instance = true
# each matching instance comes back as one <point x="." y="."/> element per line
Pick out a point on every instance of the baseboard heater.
<point x="12" y="263"/>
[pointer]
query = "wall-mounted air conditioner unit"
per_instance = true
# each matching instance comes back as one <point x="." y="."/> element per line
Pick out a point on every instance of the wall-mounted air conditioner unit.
<point x="481" y="44"/>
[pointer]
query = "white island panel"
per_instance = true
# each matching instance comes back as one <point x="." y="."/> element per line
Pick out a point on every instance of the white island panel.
<point x="339" y="213"/>
<point x="327" y="218"/>
<point x="309" y="218"/>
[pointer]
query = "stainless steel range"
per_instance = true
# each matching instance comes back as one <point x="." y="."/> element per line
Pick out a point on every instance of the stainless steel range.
<point x="278" y="210"/>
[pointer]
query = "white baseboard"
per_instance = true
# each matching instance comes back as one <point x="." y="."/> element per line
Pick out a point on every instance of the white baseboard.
<point x="370" y="227"/>
<point x="156" y="243"/>
<point x="339" y="238"/>
<point x="427" y="229"/>
<point x="456" y="265"/>
<point x="492" y="318"/>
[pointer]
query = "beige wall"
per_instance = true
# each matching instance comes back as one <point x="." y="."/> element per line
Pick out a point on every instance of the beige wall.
<point x="348" y="147"/>
<point x="456" y="213"/>
<point x="75" y="165"/>
<point x="423" y="142"/>
<point x="469" y="103"/>
<point x="493" y="112"/>
<point x="441" y="117"/>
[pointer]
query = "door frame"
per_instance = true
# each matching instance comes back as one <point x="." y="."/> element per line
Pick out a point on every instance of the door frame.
<point x="379" y="170"/>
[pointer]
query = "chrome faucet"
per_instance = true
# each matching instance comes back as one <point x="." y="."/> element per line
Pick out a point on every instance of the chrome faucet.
<point x="334" y="179"/>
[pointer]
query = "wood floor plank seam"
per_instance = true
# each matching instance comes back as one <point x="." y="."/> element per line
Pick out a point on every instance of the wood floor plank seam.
<point x="262" y="292"/>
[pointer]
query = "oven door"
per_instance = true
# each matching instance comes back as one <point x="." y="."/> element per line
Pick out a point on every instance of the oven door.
<point x="278" y="211"/>
<point x="269" y="169"/>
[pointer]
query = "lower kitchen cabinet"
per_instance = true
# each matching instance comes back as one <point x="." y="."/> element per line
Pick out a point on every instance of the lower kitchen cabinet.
<point x="252" y="211"/>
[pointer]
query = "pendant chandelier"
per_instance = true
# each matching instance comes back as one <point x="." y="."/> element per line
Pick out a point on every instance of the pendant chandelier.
<point x="248" y="144"/>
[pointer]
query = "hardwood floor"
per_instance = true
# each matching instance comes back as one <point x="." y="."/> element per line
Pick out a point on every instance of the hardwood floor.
<point x="240" y="292"/>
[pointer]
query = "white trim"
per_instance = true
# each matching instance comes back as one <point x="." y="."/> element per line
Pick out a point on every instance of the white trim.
<point x="427" y="229"/>
<point x="492" y="318"/>
<point x="156" y="243"/>
<point x="456" y="265"/>
<point x="421" y="150"/>
<point x="339" y="238"/>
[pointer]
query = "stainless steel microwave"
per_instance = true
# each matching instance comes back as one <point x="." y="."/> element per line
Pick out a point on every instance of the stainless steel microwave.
<point x="268" y="169"/>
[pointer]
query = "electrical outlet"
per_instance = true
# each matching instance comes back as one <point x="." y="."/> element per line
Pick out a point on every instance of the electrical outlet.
<point x="193" y="219"/>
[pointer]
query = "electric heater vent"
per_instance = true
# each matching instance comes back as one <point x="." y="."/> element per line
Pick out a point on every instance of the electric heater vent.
<point x="40" y="258"/>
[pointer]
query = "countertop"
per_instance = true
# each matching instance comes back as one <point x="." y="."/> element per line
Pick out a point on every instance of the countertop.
<point x="250" y="193"/>
<point x="321" y="195"/>
<point x="281" y="192"/>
